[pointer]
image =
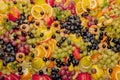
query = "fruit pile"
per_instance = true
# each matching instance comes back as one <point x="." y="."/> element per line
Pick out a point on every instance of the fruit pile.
<point x="59" y="40"/>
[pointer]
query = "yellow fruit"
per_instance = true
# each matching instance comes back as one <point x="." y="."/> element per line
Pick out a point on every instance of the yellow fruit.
<point x="1" y="64"/>
<point x="71" y="68"/>
<point x="99" y="72"/>
<point x="100" y="2"/>
<point x="93" y="4"/>
<point x="85" y="4"/>
<point x="38" y="63"/>
<point x="74" y="38"/>
<point x="39" y="2"/>
<point x="37" y="12"/>
<point x="48" y="9"/>
<point x="85" y="62"/>
<point x="3" y="7"/>
<point x="118" y="75"/>
<point x="79" y="8"/>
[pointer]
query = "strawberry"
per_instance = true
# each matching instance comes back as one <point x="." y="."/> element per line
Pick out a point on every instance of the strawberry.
<point x="49" y="20"/>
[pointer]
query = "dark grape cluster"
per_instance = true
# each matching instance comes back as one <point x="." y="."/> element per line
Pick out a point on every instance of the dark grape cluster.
<point x="72" y="24"/>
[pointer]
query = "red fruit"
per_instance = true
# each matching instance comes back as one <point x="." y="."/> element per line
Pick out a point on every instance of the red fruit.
<point x="84" y="76"/>
<point x="14" y="77"/>
<point x="36" y="77"/>
<point x="76" y="53"/>
<point x="11" y="17"/>
<point x="49" y="20"/>
<point x="46" y="77"/>
<point x="50" y="2"/>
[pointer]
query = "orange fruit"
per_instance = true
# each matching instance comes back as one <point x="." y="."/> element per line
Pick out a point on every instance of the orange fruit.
<point x="95" y="56"/>
<point x="52" y="44"/>
<point x="41" y="51"/>
<point x="51" y="64"/>
<point x="48" y="9"/>
<point x="27" y="74"/>
<point x="37" y="12"/>
<point x="116" y="73"/>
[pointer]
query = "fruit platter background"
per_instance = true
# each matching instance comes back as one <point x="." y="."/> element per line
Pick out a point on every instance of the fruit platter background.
<point x="59" y="39"/>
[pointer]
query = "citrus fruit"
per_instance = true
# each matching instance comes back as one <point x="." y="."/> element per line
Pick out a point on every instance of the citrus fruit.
<point x="85" y="4"/>
<point x="116" y="73"/>
<point x="3" y="7"/>
<point x="85" y="62"/>
<point x="37" y="12"/>
<point x="38" y="63"/>
<point x="1" y="64"/>
<point x="27" y="74"/>
<point x="79" y="8"/>
<point x="74" y="38"/>
<point x="39" y="2"/>
<point x="101" y="2"/>
<point x="48" y="9"/>
<point x="93" y="4"/>
<point x="99" y="72"/>
<point x="41" y="51"/>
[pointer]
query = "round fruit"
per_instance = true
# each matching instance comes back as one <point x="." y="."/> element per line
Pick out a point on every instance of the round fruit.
<point x="38" y="63"/>
<point x="37" y="12"/>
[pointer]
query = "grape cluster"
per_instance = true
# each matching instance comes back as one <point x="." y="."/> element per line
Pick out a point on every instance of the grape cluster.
<point x="72" y="25"/>
<point x="55" y="75"/>
<point x="106" y="58"/>
<point x="66" y="74"/>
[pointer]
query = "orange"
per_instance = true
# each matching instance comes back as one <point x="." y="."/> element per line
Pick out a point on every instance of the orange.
<point x="116" y="73"/>
<point x="95" y="56"/>
<point x="48" y="9"/>
<point x="37" y="12"/>
<point x="27" y="74"/>
<point x="41" y="51"/>
<point x="51" y="64"/>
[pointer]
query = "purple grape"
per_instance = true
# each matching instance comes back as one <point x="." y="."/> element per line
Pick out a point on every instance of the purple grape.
<point x="26" y="46"/>
<point x="5" y="39"/>
<point x="6" y="34"/>
<point x="21" y="49"/>
<point x="72" y="73"/>
<point x="65" y="68"/>
<point x="69" y="77"/>
<point x="62" y="72"/>
<point x="26" y="51"/>
<point x="23" y="39"/>
<point x="64" y="77"/>
<point x="19" y="45"/>
<point x="2" y="36"/>
<point x="14" y="43"/>
<point x="67" y="73"/>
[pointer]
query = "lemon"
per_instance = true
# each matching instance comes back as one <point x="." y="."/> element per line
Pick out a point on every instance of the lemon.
<point x="74" y="38"/>
<point x="85" y="4"/>
<point x="85" y="62"/>
<point x="118" y="75"/>
<point x="48" y="10"/>
<point x="93" y="4"/>
<point x="99" y="72"/>
<point x="37" y="12"/>
<point x="78" y="8"/>
<point x="1" y="64"/>
<point x="38" y="63"/>
<point x="3" y="7"/>
<point x="39" y="2"/>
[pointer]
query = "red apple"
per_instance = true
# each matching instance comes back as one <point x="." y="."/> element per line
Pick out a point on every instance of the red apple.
<point x="84" y="76"/>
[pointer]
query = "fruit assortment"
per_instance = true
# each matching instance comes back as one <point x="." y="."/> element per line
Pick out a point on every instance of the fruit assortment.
<point x="59" y="40"/>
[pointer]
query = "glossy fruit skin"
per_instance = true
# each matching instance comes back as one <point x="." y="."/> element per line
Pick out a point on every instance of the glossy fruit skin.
<point x="40" y="77"/>
<point x="84" y="76"/>
<point x="50" y="2"/>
